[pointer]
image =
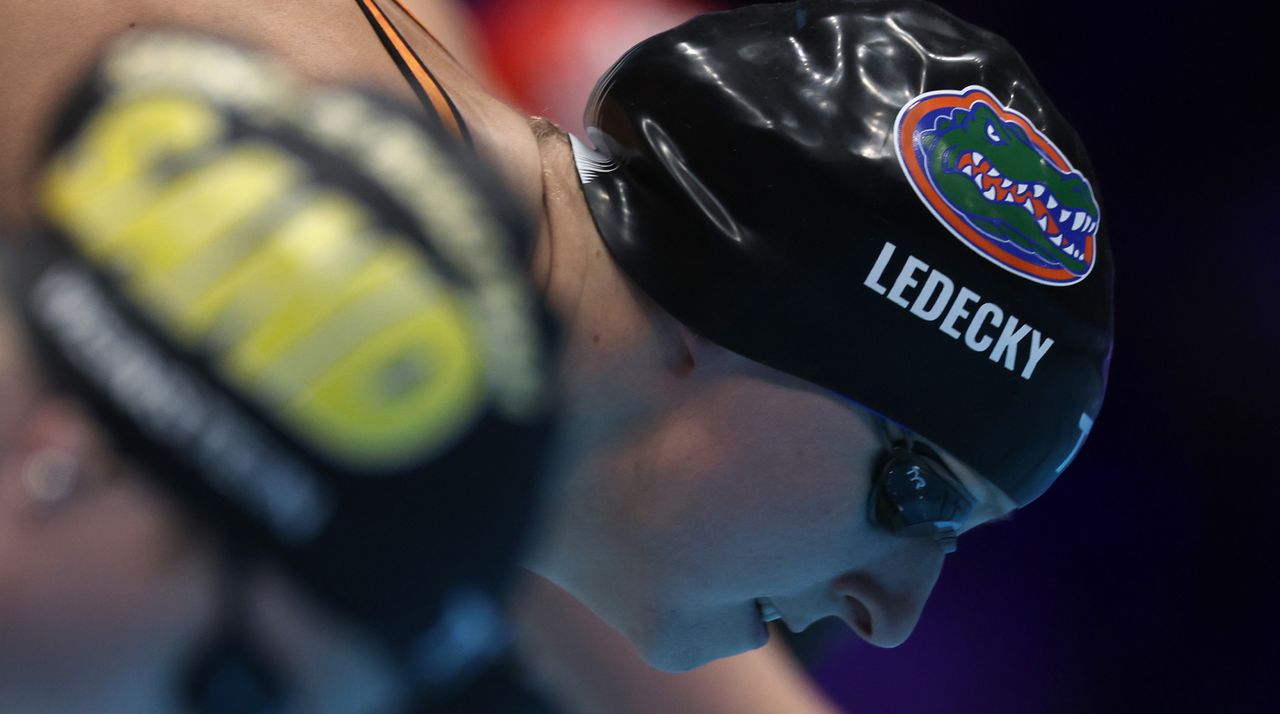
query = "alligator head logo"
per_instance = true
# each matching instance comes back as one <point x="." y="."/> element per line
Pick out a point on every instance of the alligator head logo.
<point x="999" y="184"/>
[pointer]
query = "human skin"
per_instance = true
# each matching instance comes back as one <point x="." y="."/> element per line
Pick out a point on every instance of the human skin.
<point x="693" y="480"/>
<point x="323" y="40"/>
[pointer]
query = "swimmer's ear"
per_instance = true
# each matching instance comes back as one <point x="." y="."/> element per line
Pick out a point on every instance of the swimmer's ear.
<point x="46" y="453"/>
<point x="60" y="424"/>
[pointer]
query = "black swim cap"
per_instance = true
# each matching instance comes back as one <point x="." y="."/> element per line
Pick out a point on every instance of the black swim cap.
<point x="878" y="198"/>
<point x="304" y="310"/>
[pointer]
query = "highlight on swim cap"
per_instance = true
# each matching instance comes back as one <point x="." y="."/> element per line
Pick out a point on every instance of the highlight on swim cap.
<point x="876" y="197"/>
<point x="305" y="309"/>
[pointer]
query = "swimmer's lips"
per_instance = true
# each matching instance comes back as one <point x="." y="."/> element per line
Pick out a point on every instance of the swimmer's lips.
<point x="768" y="612"/>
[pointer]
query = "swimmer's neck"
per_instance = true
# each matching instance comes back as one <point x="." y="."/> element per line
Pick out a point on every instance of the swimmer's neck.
<point x="616" y="364"/>
<point x="610" y="326"/>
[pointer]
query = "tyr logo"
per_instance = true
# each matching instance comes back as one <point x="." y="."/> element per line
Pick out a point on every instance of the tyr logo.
<point x="916" y="479"/>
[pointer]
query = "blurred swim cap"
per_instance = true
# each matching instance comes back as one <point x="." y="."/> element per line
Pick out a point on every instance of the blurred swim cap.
<point x="304" y="309"/>
<point x="876" y="197"/>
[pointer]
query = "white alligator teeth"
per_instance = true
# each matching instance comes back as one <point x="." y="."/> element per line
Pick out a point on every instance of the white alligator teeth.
<point x="1006" y="183"/>
<point x="978" y="181"/>
<point x="1080" y="219"/>
<point x="977" y="158"/>
<point x="1008" y="197"/>
<point x="1043" y="223"/>
<point x="1052" y="203"/>
<point x="995" y="172"/>
<point x="990" y="194"/>
<point x="967" y="171"/>
<point x="1039" y="191"/>
<point x="1030" y="209"/>
<point x="1022" y="188"/>
<point x="1057" y="240"/>
<point x="1062" y="217"/>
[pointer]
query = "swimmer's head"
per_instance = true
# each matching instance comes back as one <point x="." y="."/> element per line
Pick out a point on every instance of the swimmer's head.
<point x="301" y="313"/>
<point x="849" y="214"/>
<point x="878" y="198"/>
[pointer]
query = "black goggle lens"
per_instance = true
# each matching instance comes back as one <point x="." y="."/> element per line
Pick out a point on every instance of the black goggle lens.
<point x="913" y="495"/>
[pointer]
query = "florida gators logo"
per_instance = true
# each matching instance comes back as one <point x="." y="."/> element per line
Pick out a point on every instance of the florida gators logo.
<point x="999" y="184"/>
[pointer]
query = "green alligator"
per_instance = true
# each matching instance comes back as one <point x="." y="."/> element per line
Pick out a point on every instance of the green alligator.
<point x="990" y="171"/>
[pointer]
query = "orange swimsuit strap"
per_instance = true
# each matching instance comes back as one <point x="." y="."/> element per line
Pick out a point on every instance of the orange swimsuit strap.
<point x="424" y="83"/>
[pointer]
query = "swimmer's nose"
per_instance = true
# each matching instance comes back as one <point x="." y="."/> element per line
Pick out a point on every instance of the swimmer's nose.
<point x="884" y="605"/>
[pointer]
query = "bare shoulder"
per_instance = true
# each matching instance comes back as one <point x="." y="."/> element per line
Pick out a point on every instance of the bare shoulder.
<point x="45" y="46"/>
<point x="453" y="26"/>
<point x="441" y="35"/>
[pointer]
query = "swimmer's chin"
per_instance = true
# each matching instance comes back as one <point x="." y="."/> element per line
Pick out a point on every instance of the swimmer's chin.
<point x="673" y="663"/>
<point x="683" y="656"/>
<point x="677" y="663"/>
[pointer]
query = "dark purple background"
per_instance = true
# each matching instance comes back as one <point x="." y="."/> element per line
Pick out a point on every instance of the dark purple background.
<point x="1143" y="582"/>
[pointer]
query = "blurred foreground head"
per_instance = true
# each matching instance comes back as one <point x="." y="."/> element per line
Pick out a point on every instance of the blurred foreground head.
<point x="301" y="313"/>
